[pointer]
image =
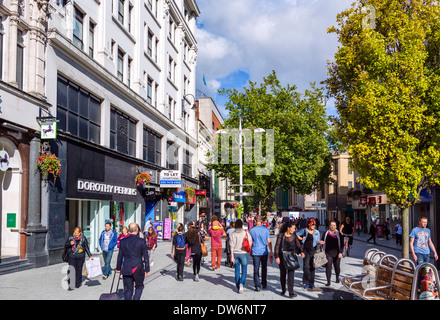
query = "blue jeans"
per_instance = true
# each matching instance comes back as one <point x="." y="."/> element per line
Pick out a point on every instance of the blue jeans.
<point x="241" y="260"/>
<point x="257" y="261"/>
<point x="107" y="270"/>
<point x="422" y="258"/>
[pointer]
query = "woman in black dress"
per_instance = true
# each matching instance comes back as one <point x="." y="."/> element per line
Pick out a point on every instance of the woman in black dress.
<point x="291" y="243"/>
<point x="333" y="246"/>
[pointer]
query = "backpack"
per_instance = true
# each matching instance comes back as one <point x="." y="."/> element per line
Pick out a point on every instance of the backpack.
<point x="180" y="241"/>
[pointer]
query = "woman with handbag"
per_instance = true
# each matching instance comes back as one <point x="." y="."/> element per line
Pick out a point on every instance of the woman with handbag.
<point x="287" y="247"/>
<point x="310" y="238"/>
<point x="333" y="247"/>
<point x="241" y="243"/>
<point x="195" y="242"/>
<point x="77" y="246"/>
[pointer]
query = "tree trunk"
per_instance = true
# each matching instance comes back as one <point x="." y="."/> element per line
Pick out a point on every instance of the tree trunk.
<point x="405" y="232"/>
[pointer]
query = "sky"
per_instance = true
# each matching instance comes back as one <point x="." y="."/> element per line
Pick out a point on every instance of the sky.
<point x="242" y="40"/>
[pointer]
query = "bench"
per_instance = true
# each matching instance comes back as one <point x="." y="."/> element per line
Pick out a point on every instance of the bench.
<point x="393" y="279"/>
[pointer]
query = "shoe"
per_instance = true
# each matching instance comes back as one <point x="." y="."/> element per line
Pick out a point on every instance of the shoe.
<point x="70" y="289"/>
<point x="179" y="278"/>
<point x="292" y="295"/>
<point x="240" y="289"/>
<point x="283" y="292"/>
<point x="212" y="269"/>
<point x="257" y="289"/>
<point x="104" y="278"/>
<point x="264" y="287"/>
<point x="312" y="287"/>
<point x="327" y="284"/>
<point x="337" y="280"/>
<point x="306" y="286"/>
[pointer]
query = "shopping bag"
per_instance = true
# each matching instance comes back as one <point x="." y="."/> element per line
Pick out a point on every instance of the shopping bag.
<point x="93" y="268"/>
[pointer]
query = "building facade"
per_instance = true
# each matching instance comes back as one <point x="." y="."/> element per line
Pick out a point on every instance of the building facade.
<point x="118" y="78"/>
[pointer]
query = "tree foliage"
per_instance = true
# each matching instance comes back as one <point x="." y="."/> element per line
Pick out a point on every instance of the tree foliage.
<point x="385" y="81"/>
<point x="301" y="157"/>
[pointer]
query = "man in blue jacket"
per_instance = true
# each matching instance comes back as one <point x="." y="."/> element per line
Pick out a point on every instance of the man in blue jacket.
<point x="133" y="263"/>
<point x="107" y="242"/>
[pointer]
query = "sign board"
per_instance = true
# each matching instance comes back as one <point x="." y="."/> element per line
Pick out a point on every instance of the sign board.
<point x="99" y="187"/>
<point x="179" y="196"/>
<point x="4" y="160"/>
<point x="170" y="179"/>
<point x="167" y="229"/>
<point x="150" y="194"/>
<point x="48" y="130"/>
<point x="158" y="227"/>
<point x="11" y="220"/>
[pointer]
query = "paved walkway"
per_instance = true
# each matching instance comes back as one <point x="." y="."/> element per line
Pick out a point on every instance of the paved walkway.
<point x="49" y="283"/>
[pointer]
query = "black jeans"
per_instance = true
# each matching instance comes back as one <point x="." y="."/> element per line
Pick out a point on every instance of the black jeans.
<point x="289" y="274"/>
<point x="256" y="261"/>
<point x="136" y="282"/>
<point x="180" y="256"/>
<point x="77" y="264"/>
<point x="336" y="262"/>
<point x="197" y="258"/>
<point x="373" y="236"/>
<point x="309" y="269"/>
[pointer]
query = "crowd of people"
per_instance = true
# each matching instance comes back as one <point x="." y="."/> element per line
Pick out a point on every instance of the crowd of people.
<point x="294" y="238"/>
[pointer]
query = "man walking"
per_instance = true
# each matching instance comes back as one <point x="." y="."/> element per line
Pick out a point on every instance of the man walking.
<point x="421" y="237"/>
<point x="260" y="241"/>
<point x="107" y="241"/>
<point x="133" y="263"/>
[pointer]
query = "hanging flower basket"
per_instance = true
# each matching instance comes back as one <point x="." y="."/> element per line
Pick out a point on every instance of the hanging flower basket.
<point x="190" y="191"/>
<point x="143" y="178"/>
<point x="49" y="163"/>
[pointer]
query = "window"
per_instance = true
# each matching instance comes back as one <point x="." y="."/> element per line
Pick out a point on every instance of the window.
<point x="349" y="169"/>
<point x="156" y="48"/>
<point x="120" y="71"/>
<point x="150" y="44"/>
<point x="20" y="59"/>
<point x="152" y="146"/>
<point x="350" y="185"/>
<point x="78" y="25"/>
<point x="130" y="62"/>
<point x="122" y="132"/>
<point x="78" y="111"/>
<point x="170" y="67"/>
<point x="187" y="164"/>
<point x="170" y="107"/>
<point x="150" y="5"/>
<point x="172" y="156"/>
<point x="121" y="11"/>
<point x="130" y="18"/>
<point x="156" y="89"/>
<point x="91" y="38"/>
<point x="149" y="90"/>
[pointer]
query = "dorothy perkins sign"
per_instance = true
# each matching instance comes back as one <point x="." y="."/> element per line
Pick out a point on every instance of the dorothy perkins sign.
<point x="98" y="187"/>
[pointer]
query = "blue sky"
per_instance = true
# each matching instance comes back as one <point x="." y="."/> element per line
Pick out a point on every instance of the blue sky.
<point x="242" y="40"/>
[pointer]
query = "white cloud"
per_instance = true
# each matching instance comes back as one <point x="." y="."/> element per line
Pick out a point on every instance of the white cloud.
<point x="258" y="36"/>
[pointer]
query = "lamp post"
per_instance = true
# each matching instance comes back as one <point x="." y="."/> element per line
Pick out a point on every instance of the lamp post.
<point x="239" y="140"/>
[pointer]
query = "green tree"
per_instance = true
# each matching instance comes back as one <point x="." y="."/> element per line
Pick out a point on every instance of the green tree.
<point x="301" y="158"/>
<point x="385" y="82"/>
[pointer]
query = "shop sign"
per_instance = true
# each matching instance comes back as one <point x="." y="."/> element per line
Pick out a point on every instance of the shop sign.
<point x="179" y="196"/>
<point x="150" y="194"/>
<point x="158" y="227"/>
<point x="11" y="220"/>
<point x="4" y="160"/>
<point x="363" y="201"/>
<point x="99" y="187"/>
<point x="170" y="179"/>
<point x="48" y="130"/>
<point x="200" y="192"/>
<point x="371" y="201"/>
<point x="167" y="229"/>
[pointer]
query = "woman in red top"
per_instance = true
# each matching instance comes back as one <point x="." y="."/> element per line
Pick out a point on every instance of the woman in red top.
<point x="216" y="232"/>
<point x="151" y="244"/>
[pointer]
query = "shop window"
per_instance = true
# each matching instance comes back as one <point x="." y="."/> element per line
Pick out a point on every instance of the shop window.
<point x="152" y="147"/>
<point x="122" y="132"/>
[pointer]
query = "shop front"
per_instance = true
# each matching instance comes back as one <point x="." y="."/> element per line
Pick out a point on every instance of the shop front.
<point x="96" y="187"/>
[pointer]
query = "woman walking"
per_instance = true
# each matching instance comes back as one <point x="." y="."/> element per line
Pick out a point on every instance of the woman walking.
<point x="151" y="244"/>
<point x="77" y="246"/>
<point x="239" y="255"/>
<point x="124" y="234"/>
<point x="287" y="241"/>
<point x="333" y="247"/>
<point x="310" y="238"/>
<point x="194" y="240"/>
<point x="216" y="232"/>
<point x="178" y="250"/>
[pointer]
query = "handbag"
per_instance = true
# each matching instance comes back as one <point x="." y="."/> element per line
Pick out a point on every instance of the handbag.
<point x="65" y="255"/>
<point x="319" y="258"/>
<point x="290" y="259"/>
<point x="203" y="248"/>
<point x="246" y="244"/>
